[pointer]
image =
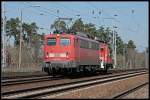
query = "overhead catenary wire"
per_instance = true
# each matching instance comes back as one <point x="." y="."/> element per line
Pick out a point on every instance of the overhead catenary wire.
<point x="131" y="30"/>
<point x="87" y="17"/>
<point x="101" y="11"/>
<point x="47" y="11"/>
<point x="65" y="14"/>
<point x="42" y="10"/>
<point x="57" y="11"/>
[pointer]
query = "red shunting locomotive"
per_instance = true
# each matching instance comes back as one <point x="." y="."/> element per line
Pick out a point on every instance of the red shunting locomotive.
<point x="69" y="53"/>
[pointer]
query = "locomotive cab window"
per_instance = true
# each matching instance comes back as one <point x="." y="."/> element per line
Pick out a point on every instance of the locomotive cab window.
<point x="64" y="41"/>
<point x="51" y="41"/>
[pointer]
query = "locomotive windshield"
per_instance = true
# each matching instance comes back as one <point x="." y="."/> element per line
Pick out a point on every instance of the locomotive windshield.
<point x="51" y="41"/>
<point x="64" y="41"/>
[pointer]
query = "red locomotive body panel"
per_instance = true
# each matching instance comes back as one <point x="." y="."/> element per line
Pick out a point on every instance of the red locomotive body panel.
<point x="59" y="51"/>
<point x="72" y="52"/>
<point x="104" y="53"/>
<point x="68" y="53"/>
<point x="86" y="54"/>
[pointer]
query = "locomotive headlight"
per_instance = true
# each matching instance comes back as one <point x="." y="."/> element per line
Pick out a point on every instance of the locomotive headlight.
<point x="62" y="54"/>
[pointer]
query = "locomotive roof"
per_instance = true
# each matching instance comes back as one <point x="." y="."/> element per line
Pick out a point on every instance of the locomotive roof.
<point x="80" y="35"/>
<point x="85" y="38"/>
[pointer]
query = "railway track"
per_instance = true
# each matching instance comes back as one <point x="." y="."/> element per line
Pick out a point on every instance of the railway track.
<point x="22" y="76"/>
<point x="37" y="78"/>
<point x="39" y="92"/>
<point x="27" y="80"/>
<point x="40" y="75"/>
<point x="6" y="81"/>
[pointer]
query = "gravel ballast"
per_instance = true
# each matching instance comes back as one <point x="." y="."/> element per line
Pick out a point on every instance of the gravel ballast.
<point x="106" y="90"/>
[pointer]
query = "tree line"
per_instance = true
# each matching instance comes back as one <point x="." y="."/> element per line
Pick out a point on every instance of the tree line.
<point x="30" y="32"/>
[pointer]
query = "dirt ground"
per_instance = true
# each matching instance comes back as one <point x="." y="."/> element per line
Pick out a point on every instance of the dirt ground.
<point x="141" y="93"/>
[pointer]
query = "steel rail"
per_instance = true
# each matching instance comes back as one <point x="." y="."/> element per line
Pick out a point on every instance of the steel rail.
<point x="28" y="80"/>
<point x="38" y="91"/>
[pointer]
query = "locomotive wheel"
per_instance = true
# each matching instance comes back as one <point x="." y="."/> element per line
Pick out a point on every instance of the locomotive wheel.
<point x="91" y="70"/>
<point x="53" y="72"/>
<point x="74" y="71"/>
<point x="68" y="71"/>
<point x="85" y="70"/>
<point x="65" y="71"/>
<point x="49" y="73"/>
<point x="105" y="70"/>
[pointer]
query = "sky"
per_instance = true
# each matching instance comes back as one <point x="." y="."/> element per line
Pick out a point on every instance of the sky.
<point x="131" y="19"/>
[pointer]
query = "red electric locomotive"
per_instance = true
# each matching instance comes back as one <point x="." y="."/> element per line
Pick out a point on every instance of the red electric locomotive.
<point x="69" y="53"/>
